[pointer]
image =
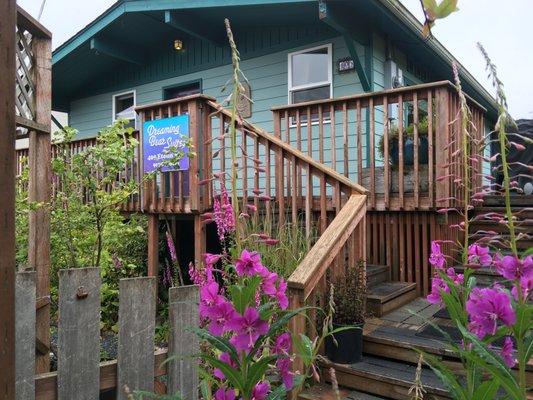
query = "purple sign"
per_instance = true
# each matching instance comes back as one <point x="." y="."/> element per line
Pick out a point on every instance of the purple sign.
<point x="159" y="136"/>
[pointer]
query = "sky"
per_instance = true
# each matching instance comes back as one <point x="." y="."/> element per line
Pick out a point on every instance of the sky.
<point x="504" y="29"/>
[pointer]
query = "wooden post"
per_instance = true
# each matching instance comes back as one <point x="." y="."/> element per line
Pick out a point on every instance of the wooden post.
<point x="39" y="192"/>
<point x="194" y="165"/>
<point x="153" y="244"/>
<point x="136" y="321"/>
<point x="7" y="199"/>
<point x="199" y="238"/>
<point x="183" y="345"/>
<point x="79" y="334"/>
<point x="25" y="336"/>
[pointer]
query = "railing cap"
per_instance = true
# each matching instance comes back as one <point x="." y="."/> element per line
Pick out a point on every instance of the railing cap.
<point x="381" y="93"/>
<point x="26" y="21"/>
<point x="184" y="99"/>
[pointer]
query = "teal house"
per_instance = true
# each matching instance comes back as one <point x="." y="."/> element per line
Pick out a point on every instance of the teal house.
<point x="348" y="90"/>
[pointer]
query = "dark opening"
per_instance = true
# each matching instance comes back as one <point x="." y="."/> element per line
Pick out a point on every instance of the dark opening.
<point x="187" y="89"/>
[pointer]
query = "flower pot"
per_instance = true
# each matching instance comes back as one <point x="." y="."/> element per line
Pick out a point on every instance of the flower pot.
<point x="349" y="347"/>
<point x="408" y="151"/>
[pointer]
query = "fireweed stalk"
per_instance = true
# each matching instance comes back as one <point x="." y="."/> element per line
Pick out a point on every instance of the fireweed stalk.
<point x="489" y="316"/>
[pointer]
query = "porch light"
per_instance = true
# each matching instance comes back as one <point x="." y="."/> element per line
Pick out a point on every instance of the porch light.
<point x="178" y="45"/>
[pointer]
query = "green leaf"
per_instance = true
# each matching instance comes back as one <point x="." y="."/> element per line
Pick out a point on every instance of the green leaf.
<point x="446" y="7"/>
<point x="220" y="343"/>
<point x="487" y="390"/>
<point x="445" y="375"/>
<point x="304" y="348"/>
<point x="244" y="296"/>
<point x="256" y="372"/>
<point x="233" y="376"/>
<point x="278" y="393"/>
<point x="430" y="6"/>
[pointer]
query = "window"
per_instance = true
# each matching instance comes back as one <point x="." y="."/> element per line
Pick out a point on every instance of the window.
<point x="310" y="75"/>
<point x="124" y="107"/>
<point x="187" y="89"/>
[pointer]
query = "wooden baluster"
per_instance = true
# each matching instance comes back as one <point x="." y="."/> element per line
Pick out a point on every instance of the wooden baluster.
<point x="442" y="150"/>
<point x="345" y="137"/>
<point x="244" y="148"/>
<point x="409" y="246"/>
<point x="268" y="182"/>
<point x="400" y="150"/>
<point x="288" y="166"/>
<point x="337" y="196"/>
<point x="280" y="190"/>
<point x="333" y="138"/>
<point x="323" y="204"/>
<point x="359" y="145"/>
<point x="294" y="194"/>
<point x="207" y="171"/>
<point x="372" y="154"/>
<point x="431" y="167"/>
<point x="320" y="135"/>
<point x="308" y="202"/>
<point x="299" y="147"/>
<point x="386" y="159"/>
<point x="416" y="166"/>
<point x="256" y="177"/>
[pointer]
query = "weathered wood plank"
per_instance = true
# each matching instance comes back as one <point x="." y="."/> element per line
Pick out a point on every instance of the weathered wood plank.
<point x="136" y="319"/>
<point x="183" y="345"/>
<point x="25" y="336"/>
<point x="79" y="334"/>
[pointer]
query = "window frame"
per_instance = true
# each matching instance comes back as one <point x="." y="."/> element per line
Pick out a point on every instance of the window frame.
<point x="165" y="89"/>
<point x="114" y="105"/>
<point x="291" y="88"/>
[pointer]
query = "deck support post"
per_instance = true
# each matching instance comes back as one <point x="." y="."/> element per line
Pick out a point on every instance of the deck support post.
<point x="153" y="244"/>
<point x="199" y="238"/>
<point x="7" y="200"/>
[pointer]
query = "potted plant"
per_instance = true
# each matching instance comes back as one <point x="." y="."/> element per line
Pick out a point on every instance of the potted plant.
<point x="408" y="143"/>
<point x="349" y="295"/>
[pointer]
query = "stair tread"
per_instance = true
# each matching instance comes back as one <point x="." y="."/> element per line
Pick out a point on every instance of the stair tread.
<point x="326" y="392"/>
<point x="373" y="269"/>
<point x="395" y="372"/>
<point x="387" y="291"/>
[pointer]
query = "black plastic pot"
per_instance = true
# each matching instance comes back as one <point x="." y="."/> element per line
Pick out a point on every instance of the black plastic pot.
<point x="349" y="348"/>
<point x="409" y="151"/>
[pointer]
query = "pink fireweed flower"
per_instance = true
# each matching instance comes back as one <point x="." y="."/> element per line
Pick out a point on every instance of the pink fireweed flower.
<point x="525" y="285"/>
<point x="251" y="207"/>
<point x="270" y="242"/>
<point x="211" y="259"/>
<point x="479" y="255"/>
<point x="223" y="215"/>
<point x="507" y="352"/>
<point x="437" y="258"/>
<point x="486" y="308"/>
<point x="209" y="297"/>
<point x="283" y="344"/>
<point x="223" y="394"/>
<point x="283" y="365"/>
<point x="281" y="295"/>
<point x="249" y="263"/>
<point x="225" y="357"/>
<point x="512" y="268"/>
<point x="268" y="286"/>
<point x="219" y="315"/>
<point x="171" y="248"/>
<point x="198" y="276"/>
<point x="247" y="328"/>
<point x="439" y="285"/>
<point x="260" y="390"/>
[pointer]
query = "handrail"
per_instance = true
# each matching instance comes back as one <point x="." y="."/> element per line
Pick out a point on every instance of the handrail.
<point x="381" y="93"/>
<point x="315" y="264"/>
<point x="331" y="173"/>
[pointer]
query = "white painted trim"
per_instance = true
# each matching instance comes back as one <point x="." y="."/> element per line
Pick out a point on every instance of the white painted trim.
<point x="329" y="82"/>
<point x="113" y="105"/>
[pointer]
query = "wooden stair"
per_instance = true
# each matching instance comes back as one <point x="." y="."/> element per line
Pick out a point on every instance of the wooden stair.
<point x="383" y="295"/>
<point x="325" y="392"/>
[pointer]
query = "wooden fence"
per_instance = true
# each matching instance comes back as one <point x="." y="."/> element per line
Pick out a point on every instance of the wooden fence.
<point x="80" y="374"/>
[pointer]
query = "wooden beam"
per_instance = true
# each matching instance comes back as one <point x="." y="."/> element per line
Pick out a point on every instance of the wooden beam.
<point x="193" y="27"/>
<point x="333" y="19"/>
<point x="7" y="200"/>
<point x="115" y="50"/>
<point x="153" y="244"/>
<point x="39" y="190"/>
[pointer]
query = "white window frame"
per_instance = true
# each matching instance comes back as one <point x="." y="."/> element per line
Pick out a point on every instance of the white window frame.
<point x="291" y="88"/>
<point x="132" y="91"/>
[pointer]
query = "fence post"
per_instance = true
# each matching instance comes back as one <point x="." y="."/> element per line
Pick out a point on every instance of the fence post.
<point x="79" y="334"/>
<point x="25" y="336"/>
<point x="182" y="371"/>
<point x="7" y="199"/>
<point x="136" y="321"/>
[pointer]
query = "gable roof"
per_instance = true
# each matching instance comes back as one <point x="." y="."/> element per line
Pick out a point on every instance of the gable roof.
<point x="388" y="15"/>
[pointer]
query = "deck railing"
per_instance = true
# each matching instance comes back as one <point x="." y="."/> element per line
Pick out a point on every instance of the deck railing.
<point x="396" y="143"/>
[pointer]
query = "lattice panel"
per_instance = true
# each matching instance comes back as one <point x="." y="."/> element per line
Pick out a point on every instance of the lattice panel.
<point x="25" y="88"/>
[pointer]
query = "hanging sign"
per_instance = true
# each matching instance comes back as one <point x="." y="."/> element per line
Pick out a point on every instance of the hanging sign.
<point x="159" y="136"/>
<point x="345" y="65"/>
